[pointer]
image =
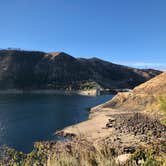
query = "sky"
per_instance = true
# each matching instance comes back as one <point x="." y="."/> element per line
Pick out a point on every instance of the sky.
<point x="129" y="32"/>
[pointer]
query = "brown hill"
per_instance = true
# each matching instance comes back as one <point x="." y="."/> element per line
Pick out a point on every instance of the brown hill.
<point x="58" y="70"/>
<point x="143" y="97"/>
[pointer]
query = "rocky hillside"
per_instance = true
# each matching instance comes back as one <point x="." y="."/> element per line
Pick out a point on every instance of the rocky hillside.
<point x="143" y="97"/>
<point x="39" y="70"/>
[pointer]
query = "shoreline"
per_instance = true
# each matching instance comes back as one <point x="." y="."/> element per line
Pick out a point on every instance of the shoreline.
<point x="92" y="92"/>
<point x="94" y="127"/>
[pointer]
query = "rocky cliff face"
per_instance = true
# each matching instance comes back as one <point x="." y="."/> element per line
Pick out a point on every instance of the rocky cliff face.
<point x="29" y="70"/>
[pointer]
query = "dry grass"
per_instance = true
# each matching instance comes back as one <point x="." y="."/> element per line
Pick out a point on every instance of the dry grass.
<point x="83" y="153"/>
<point x="79" y="152"/>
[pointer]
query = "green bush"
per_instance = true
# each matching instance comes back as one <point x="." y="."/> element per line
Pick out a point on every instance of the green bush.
<point x="146" y="157"/>
<point x="162" y="101"/>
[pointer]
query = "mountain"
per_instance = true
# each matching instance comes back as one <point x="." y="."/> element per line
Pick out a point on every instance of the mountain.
<point x="144" y="97"/>
<point x="29" y="70"/>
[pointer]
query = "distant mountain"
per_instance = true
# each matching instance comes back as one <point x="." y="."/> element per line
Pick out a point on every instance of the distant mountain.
<point x="30" y="70"/>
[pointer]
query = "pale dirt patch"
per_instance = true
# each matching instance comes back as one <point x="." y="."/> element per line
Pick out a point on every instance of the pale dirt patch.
<point x="95" y="128"/>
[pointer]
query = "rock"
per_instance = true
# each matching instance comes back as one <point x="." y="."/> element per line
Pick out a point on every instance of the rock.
<point x="122" y="159"/>
<point x="140" y="124"/>
<point x="108" y="125"/>
<point x="130" y="149"/>
<point x="112" y="120"/>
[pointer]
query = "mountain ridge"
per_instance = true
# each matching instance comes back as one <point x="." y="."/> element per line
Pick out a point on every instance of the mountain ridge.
<point x="21" y="69"/>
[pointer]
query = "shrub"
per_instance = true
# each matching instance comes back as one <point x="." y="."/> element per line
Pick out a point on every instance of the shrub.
<point x="162" y="102"/>
<point x="146" y="157"/>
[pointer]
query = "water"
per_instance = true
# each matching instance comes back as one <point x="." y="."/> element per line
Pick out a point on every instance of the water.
<point x="25" y="119"/>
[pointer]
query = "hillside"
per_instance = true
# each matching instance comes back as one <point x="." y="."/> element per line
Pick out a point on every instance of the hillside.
<point x="29" y="70"/>
<point x="144" y="97"/>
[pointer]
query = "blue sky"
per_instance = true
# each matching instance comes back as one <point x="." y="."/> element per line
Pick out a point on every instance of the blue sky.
<point x="131" y="32"/>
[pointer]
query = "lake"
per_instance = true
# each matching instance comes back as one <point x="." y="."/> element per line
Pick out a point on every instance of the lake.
<point x="27" y="118"/>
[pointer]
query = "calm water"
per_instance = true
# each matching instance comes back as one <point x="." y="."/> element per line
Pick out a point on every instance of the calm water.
<point x="25" y="119"/>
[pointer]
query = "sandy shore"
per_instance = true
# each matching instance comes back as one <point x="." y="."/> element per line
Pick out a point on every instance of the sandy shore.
<point x="95" y="127"/>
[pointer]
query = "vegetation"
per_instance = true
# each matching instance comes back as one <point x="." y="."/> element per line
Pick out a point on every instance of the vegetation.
<point x="83" y="153"/>
<point x="89" y="85"/>
<point x="147" y="157"/>
<point x="162" y="102"/>
<point x="72" y="153"/>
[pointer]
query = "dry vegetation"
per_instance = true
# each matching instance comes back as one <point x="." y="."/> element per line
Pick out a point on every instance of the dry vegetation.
<point x="162" y="104"/>
<point x="80" y="152"/>
<point x="82" y="156"/>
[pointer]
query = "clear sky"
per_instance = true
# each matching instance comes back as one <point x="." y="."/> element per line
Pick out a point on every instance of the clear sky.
<point x="131" y="32"/>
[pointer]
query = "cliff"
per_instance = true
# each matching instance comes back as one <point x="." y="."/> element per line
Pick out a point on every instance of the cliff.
<point x="28" y="70"/>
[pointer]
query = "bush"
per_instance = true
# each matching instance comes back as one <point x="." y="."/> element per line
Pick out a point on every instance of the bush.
<point x="146" y="157"/>
<point x="162" y="101"/>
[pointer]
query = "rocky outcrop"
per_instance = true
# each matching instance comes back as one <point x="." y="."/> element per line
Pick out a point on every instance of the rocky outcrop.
<point x="28" y="70"/>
